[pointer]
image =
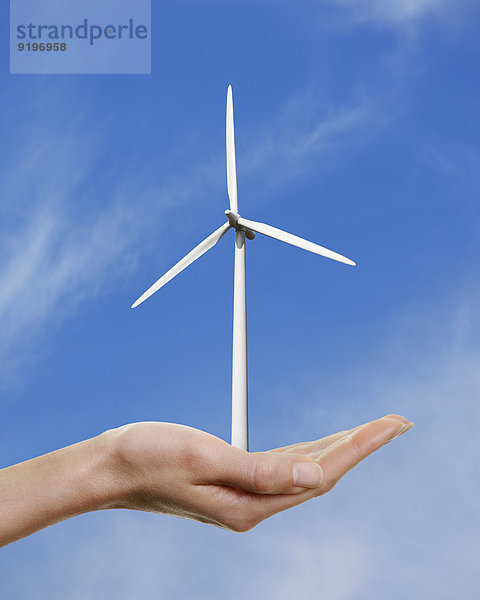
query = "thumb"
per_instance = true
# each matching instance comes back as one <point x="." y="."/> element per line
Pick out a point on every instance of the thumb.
<point x="268" y="472"/>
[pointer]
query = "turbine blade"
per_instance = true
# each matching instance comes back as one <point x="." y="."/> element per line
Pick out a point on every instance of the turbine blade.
<point x="294" y="240"/>
<point x="207" y="243"/>
<point x="231" y="166"/>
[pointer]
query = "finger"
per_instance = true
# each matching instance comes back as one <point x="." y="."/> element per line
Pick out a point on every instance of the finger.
<point x="339" y="458"/>
<point x="265" y="472"/>
<point x="349" y="451"/>
<point x="313" y="446"/>
<point x="321" y="444"/>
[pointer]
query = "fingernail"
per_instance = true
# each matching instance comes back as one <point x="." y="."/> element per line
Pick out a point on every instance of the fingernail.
<point x="307" y="474"/>
<point x="404" y="428"/>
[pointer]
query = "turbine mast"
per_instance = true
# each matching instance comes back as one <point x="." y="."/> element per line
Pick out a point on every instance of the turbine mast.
<point x="239" y="370"/>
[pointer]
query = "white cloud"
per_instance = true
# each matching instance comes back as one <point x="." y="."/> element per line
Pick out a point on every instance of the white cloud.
<point x="390" y="10"/>
<point x="54" y="255"/>
<point x="308" y="133"/>
<point x="354" y="12"/>
<point x="51" y="267"/>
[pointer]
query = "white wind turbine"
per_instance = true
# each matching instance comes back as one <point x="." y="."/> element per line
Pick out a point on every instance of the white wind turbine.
<point x="244" y="228"/>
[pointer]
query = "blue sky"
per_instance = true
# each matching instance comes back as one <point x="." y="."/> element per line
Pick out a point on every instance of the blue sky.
<point x="357" y="126"/>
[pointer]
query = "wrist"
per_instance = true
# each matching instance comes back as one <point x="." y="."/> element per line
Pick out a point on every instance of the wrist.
<point x="95" y="480"/>
<point x="53" y="487"/>
<point x="121" y="468"/>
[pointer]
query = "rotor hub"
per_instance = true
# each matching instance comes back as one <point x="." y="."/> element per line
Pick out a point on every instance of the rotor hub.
<point x="233" y="220"/>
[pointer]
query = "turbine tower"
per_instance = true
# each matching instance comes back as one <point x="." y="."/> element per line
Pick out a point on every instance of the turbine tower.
<point x="244" y="228"/>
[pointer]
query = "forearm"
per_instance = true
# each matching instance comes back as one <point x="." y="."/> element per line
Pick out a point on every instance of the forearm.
<point x="53" y="487"/>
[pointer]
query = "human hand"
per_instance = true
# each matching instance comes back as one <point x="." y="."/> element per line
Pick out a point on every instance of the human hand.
<point x="177" y="470"/>
<point x="181" y="471"/>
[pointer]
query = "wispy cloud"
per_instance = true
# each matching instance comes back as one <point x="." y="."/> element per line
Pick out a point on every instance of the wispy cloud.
<point x="428" y="370"/>
<point x="307" y="133"/>
<point x="458" y="164"/>
<point x="55" y="253"/>
<point x="70" y="232"/>
<point x="392" y="11"/>
<point x="382" y="12"/>
<point x="51" y="268"/>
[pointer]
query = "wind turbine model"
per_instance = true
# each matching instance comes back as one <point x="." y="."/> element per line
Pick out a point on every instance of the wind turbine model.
<point x="244" y="228"/>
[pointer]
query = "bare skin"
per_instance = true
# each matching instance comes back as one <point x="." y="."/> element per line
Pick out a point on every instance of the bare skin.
<point x="177" y="470"/>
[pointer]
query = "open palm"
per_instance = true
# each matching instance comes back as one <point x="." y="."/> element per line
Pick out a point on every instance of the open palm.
<point x="177" y="470"/>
